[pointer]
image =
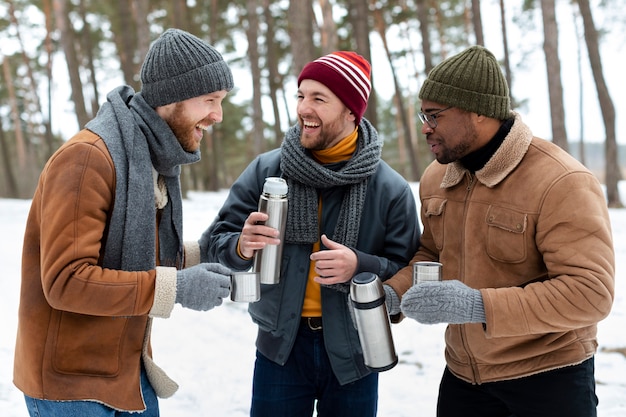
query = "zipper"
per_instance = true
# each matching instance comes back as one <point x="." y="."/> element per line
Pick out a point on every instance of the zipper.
<point x="469" y="188"/>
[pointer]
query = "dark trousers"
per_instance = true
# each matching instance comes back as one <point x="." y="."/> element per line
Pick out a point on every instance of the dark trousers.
<point x="564" y="392"/>
<point x="291" y="390"/>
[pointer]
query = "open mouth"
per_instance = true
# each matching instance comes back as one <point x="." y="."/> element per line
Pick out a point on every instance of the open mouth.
<point x="308" y="125"/>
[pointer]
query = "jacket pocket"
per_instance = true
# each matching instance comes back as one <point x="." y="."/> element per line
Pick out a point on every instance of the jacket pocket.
<point x="434" y="211"/>
<point x="506" y="234"/>
<point x="88" y="345"/>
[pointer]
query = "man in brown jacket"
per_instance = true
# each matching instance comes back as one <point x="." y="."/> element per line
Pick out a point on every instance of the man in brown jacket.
<point x="523" y="233"/>
<point x="103" y="247"/>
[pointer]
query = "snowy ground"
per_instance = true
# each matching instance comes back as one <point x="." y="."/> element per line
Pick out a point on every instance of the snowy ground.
<point x="211" y="354"/>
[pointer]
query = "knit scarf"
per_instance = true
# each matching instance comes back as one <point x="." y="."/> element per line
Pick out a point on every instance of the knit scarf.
<point x="139" y="140"/>
<point x="304" y="176"/>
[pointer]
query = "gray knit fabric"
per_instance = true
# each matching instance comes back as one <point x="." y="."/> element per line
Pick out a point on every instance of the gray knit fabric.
<point x="180" y="66"/>
<point x="304" y="176"/>
<point x="138" y="140"/>
<point x="448" y="301"/>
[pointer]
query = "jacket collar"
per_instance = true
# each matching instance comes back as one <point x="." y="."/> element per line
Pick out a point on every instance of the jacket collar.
<point x="503" y="161"/>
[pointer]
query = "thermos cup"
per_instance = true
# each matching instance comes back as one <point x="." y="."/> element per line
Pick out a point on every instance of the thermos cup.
<point x="245" y="287"/>
<point x="372" y="322"/>
<point x="273" y="201"/>
<point x="426" y="271"/>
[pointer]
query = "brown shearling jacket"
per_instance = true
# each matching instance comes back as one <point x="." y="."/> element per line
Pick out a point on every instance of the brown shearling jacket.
<point x="83" y="329"/>
<point x="531" y="230"/>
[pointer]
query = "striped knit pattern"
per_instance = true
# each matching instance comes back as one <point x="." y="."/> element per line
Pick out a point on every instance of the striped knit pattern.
<point x="346" y="74"/>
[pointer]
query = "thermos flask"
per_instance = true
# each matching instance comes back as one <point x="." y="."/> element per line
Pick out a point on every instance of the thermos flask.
<point x="372" y="322"/>
<point x="273" y="201"/>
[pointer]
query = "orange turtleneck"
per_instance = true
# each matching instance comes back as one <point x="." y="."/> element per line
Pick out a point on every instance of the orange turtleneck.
<point x="342" y="151"/>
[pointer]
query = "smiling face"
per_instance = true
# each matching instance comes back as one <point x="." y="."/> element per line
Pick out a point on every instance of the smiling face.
<point x="323" y="117"/>
<point x="189" y="119"/>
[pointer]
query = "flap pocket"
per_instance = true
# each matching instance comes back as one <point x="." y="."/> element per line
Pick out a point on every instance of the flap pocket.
<point x="434" y="211"/>
<point x="506" y="234"/>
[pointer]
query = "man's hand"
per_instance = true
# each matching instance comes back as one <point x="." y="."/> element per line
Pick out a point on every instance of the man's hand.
<point x="443" y="302"/>
<point x="335" y="265"/>
<point x="202" y="286"/>
<point x="255" y="235"/>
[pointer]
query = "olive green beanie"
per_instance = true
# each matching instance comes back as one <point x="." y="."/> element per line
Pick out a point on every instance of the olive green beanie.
<point x="471" y="80"/>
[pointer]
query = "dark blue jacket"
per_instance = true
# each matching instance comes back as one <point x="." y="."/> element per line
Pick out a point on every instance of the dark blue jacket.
<point x="388" y="238"/>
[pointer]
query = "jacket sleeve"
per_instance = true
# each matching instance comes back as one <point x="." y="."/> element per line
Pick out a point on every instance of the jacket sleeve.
<point x="243" y="199"/>
<point x="400" y="238"/>
<point x="574" y="237"/>
<point x="72" y="204"/>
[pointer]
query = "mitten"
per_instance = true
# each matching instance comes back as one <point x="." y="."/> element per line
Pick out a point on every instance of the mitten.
<point x="443" y="302"/>
<point x="202" y="286"/>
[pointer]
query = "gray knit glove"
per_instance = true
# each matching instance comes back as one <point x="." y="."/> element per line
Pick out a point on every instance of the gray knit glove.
<point x="443" y="302"/>
<point x="202" y="286"/>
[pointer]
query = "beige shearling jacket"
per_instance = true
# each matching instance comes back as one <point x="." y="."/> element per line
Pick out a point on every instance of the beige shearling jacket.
<point x="531" y="230"/>
<point x="83" y="330"/>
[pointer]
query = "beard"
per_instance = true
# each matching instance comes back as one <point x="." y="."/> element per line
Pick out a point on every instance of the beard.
<point x="469" y="137"/>
<point x="184" y="128"/>
<point x="328" y="135"/>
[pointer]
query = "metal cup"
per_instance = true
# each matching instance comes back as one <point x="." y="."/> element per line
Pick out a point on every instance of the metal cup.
<point x="245" y="287"/>
<point x="426" y="271"/>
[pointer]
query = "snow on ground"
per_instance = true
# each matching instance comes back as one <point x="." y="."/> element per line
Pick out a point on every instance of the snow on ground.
<point x="211" y="354"/>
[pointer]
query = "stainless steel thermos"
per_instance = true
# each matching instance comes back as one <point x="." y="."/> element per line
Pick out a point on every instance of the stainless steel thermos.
<point x="273" y="201"/>
<point x="372" y="322"/>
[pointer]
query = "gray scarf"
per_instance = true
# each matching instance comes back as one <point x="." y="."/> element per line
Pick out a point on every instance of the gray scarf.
<point x="304" y="176"/>
<point x="138" y="139"/>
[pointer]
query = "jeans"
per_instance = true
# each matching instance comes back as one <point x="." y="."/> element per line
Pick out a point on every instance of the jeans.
<point x="291" y="390"/>
<point x="563" y="392"/>
<point x="47" y="408"/>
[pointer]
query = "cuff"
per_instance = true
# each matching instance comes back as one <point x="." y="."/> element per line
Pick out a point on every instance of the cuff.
<point x="192" y="253"/>
<point x="391" y="300"/>
<point x="164" y="292"/>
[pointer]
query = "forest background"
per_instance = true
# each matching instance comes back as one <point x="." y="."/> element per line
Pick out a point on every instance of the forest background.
<point x="60" y="53"/>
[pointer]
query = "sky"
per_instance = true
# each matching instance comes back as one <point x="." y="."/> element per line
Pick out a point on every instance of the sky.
<point x="211" y="354"/>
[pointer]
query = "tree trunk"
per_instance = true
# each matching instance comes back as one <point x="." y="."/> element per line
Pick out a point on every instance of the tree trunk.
<point x="252" y="32"/>
<point x="478" y="23"/>
<point x="612" y="169"/>
<point x="328" y="28"/>
<point x="88" y="51"/>
<point x="358" y="12"/>
<point x="274" y="77"/>
<point x="505" y="47"/>
<point x="422" y="17"/>
<point x="68" y="40"/>
<point x="404" y="134"/>
<point x="15" y="115"/>
<point x="7" y="166"/>
<point x="125" y="41"/>
<point x="300" y="26"/>
<point x="553" y="69"/>
<point x="140" y="12"/>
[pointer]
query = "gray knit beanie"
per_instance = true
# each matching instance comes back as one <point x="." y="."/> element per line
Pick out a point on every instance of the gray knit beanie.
<point x="471" y="80"/>
<point x="180" y="66"/>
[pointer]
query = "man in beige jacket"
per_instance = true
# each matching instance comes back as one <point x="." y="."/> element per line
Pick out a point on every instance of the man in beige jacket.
<point x="523" y="233"/>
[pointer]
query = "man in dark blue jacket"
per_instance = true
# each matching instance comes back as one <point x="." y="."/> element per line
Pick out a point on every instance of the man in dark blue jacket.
<point x="349" y="212"/>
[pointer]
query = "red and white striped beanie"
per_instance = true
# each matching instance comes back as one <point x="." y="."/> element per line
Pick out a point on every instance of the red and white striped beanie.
<point x="346" y="74"/>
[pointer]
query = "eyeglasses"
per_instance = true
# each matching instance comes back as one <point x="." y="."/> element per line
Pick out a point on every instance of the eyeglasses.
<point x="431" y="118"/>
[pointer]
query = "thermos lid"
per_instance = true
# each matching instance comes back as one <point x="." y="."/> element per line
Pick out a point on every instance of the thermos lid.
<point x="366" y="287"/>
<point x="275" y="186"/>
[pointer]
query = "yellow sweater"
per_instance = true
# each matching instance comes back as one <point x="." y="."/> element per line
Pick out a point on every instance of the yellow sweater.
<point x="340" y="152"/>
